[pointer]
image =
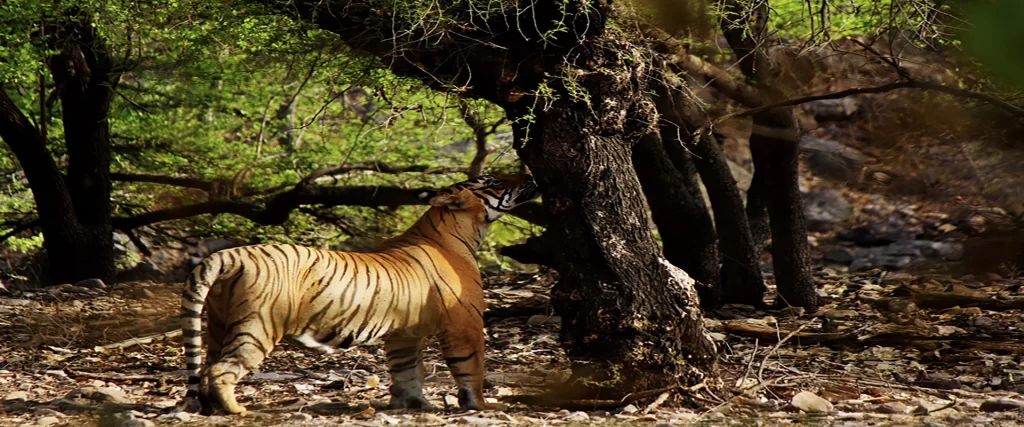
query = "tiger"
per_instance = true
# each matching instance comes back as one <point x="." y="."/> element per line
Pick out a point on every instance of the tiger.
<point x="424" y="282"/>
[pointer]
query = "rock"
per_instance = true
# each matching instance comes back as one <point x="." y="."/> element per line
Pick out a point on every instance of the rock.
<point x="839" y="255"/>
<point x="100" y="395"/>
<point x="1001" y="405"/>
<point x="629" y="409"/>
<point x="91" y="284"/>
<point x="880" y="233"/>
<point x="450" y="400"/>
<point x="143" y="293"/>
<point x="578" y="416"/>
<point x="18" y="302"/>
<point x="301" y="416"/>
<point x="984" y="322"/>
<point x="45" y="421"/>
<point x="824" y="209"/>
<point x="16" y="395"/>
<point x="77" y="290"/>
<point x="841" y="314"/>
<point x="810" y="402"/>
<point x="902" y="306"/>
<point x="47" y="412"/>
<point x="180" y="416"/>
<point x="138" y="422"/>
<point x="541" y="319"/>
<point x="901" y="254"/>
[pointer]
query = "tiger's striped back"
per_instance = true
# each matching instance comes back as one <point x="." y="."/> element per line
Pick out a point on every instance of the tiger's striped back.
<point x="420" y="283"/>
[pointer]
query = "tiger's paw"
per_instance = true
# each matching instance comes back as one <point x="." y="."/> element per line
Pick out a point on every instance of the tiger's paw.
<point x="410" y="402"/>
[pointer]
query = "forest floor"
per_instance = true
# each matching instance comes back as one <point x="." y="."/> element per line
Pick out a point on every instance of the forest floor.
<point x="885" y="349"/>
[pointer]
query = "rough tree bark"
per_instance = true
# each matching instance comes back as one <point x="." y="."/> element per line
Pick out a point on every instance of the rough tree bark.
<point x="628" y="316"/>
<point x="630" y="319"/>
<point x="687" y="235"/>
<point x="774" y="147"/>
<point x="741" y="280"/>
<point x="74" y="211"/>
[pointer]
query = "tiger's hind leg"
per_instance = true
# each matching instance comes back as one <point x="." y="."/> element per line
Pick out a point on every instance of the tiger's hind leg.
<point x="462" y="345"/>
<point x="215" y="333"/>
<point x="238" y="358"/>
<point x="405" y="361"/>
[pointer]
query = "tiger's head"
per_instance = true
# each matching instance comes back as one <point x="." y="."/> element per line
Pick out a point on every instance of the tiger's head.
<point x="490" y="195"/>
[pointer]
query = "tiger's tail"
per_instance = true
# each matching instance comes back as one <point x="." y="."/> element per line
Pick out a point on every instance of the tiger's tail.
<point x="193" y="299"/>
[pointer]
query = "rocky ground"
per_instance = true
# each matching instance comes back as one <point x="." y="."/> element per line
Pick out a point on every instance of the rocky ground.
<point x="885" y="349"/>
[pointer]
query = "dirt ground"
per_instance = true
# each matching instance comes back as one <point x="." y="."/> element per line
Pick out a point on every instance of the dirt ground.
<point x="885" y="350"/>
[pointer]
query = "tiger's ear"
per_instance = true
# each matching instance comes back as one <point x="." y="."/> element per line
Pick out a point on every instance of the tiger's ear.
<point x="459" y="200"/>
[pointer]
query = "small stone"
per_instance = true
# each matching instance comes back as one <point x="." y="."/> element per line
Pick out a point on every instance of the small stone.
<point x="76" y="290"/>
<point x="91" y="284"/>
<point x="180" y="416"/>
<point x="47" y="412"/>
<point x="902" y="306"/>
<point x="45" y="421"/>
<point x="578" y="416"/>
<point x="984" y="322"/>
<point x="18" y="302"/>
<point x="138" y="422"/>
<point x="100" y="395"/>
<point x="892" y="408"/>
<point x="810" y="402"/>
<point x="301" y="416"/>
<point x="373" y="381"/>
<point x="839" y="255"/>
<point x="1000" y="405"/>
<point x="629" y="409"/>
<point x="450" y="400"/>
<point x="143" y="293"/>
<point x="16" y="395"/>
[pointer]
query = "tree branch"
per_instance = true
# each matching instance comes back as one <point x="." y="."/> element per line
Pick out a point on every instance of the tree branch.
<point x="912" y="84"/>
<point x="377" y="167"/>
<point x="166" y="180"/>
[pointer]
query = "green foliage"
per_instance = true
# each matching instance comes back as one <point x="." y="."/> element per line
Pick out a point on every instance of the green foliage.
<point x="204" y="94"/>
<point x="994" y="38"/>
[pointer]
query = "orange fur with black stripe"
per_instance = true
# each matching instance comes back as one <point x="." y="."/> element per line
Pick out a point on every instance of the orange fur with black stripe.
<point x="421" y="283"/>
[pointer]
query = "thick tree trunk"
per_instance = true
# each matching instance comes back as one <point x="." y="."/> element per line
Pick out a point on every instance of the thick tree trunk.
<point x="774" y="146"/>
<point x="741" y="280"/>
<point x="687" y="235"/>
<point x="74" y="211"/>
<point x="629" y="318"/>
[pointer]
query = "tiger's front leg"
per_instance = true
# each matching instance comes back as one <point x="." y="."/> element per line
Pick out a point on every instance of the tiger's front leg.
<point x="405" y="361"/>
<point x="462" y="345"/>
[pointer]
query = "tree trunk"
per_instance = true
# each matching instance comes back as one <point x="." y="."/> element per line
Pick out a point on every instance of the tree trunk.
<point x="630" y="319"/>
<point x="741" y="280"/>
<point x="774" y="147"/>
<point x="687" y="236"/>
<point x="74" y="211"/>
<point x="628" y="316"/>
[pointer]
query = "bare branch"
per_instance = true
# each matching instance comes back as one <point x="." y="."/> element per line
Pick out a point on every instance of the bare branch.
<point x="376" y="167"/>
<point x="912" y="84"/>
<point x="166" y="180"/>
